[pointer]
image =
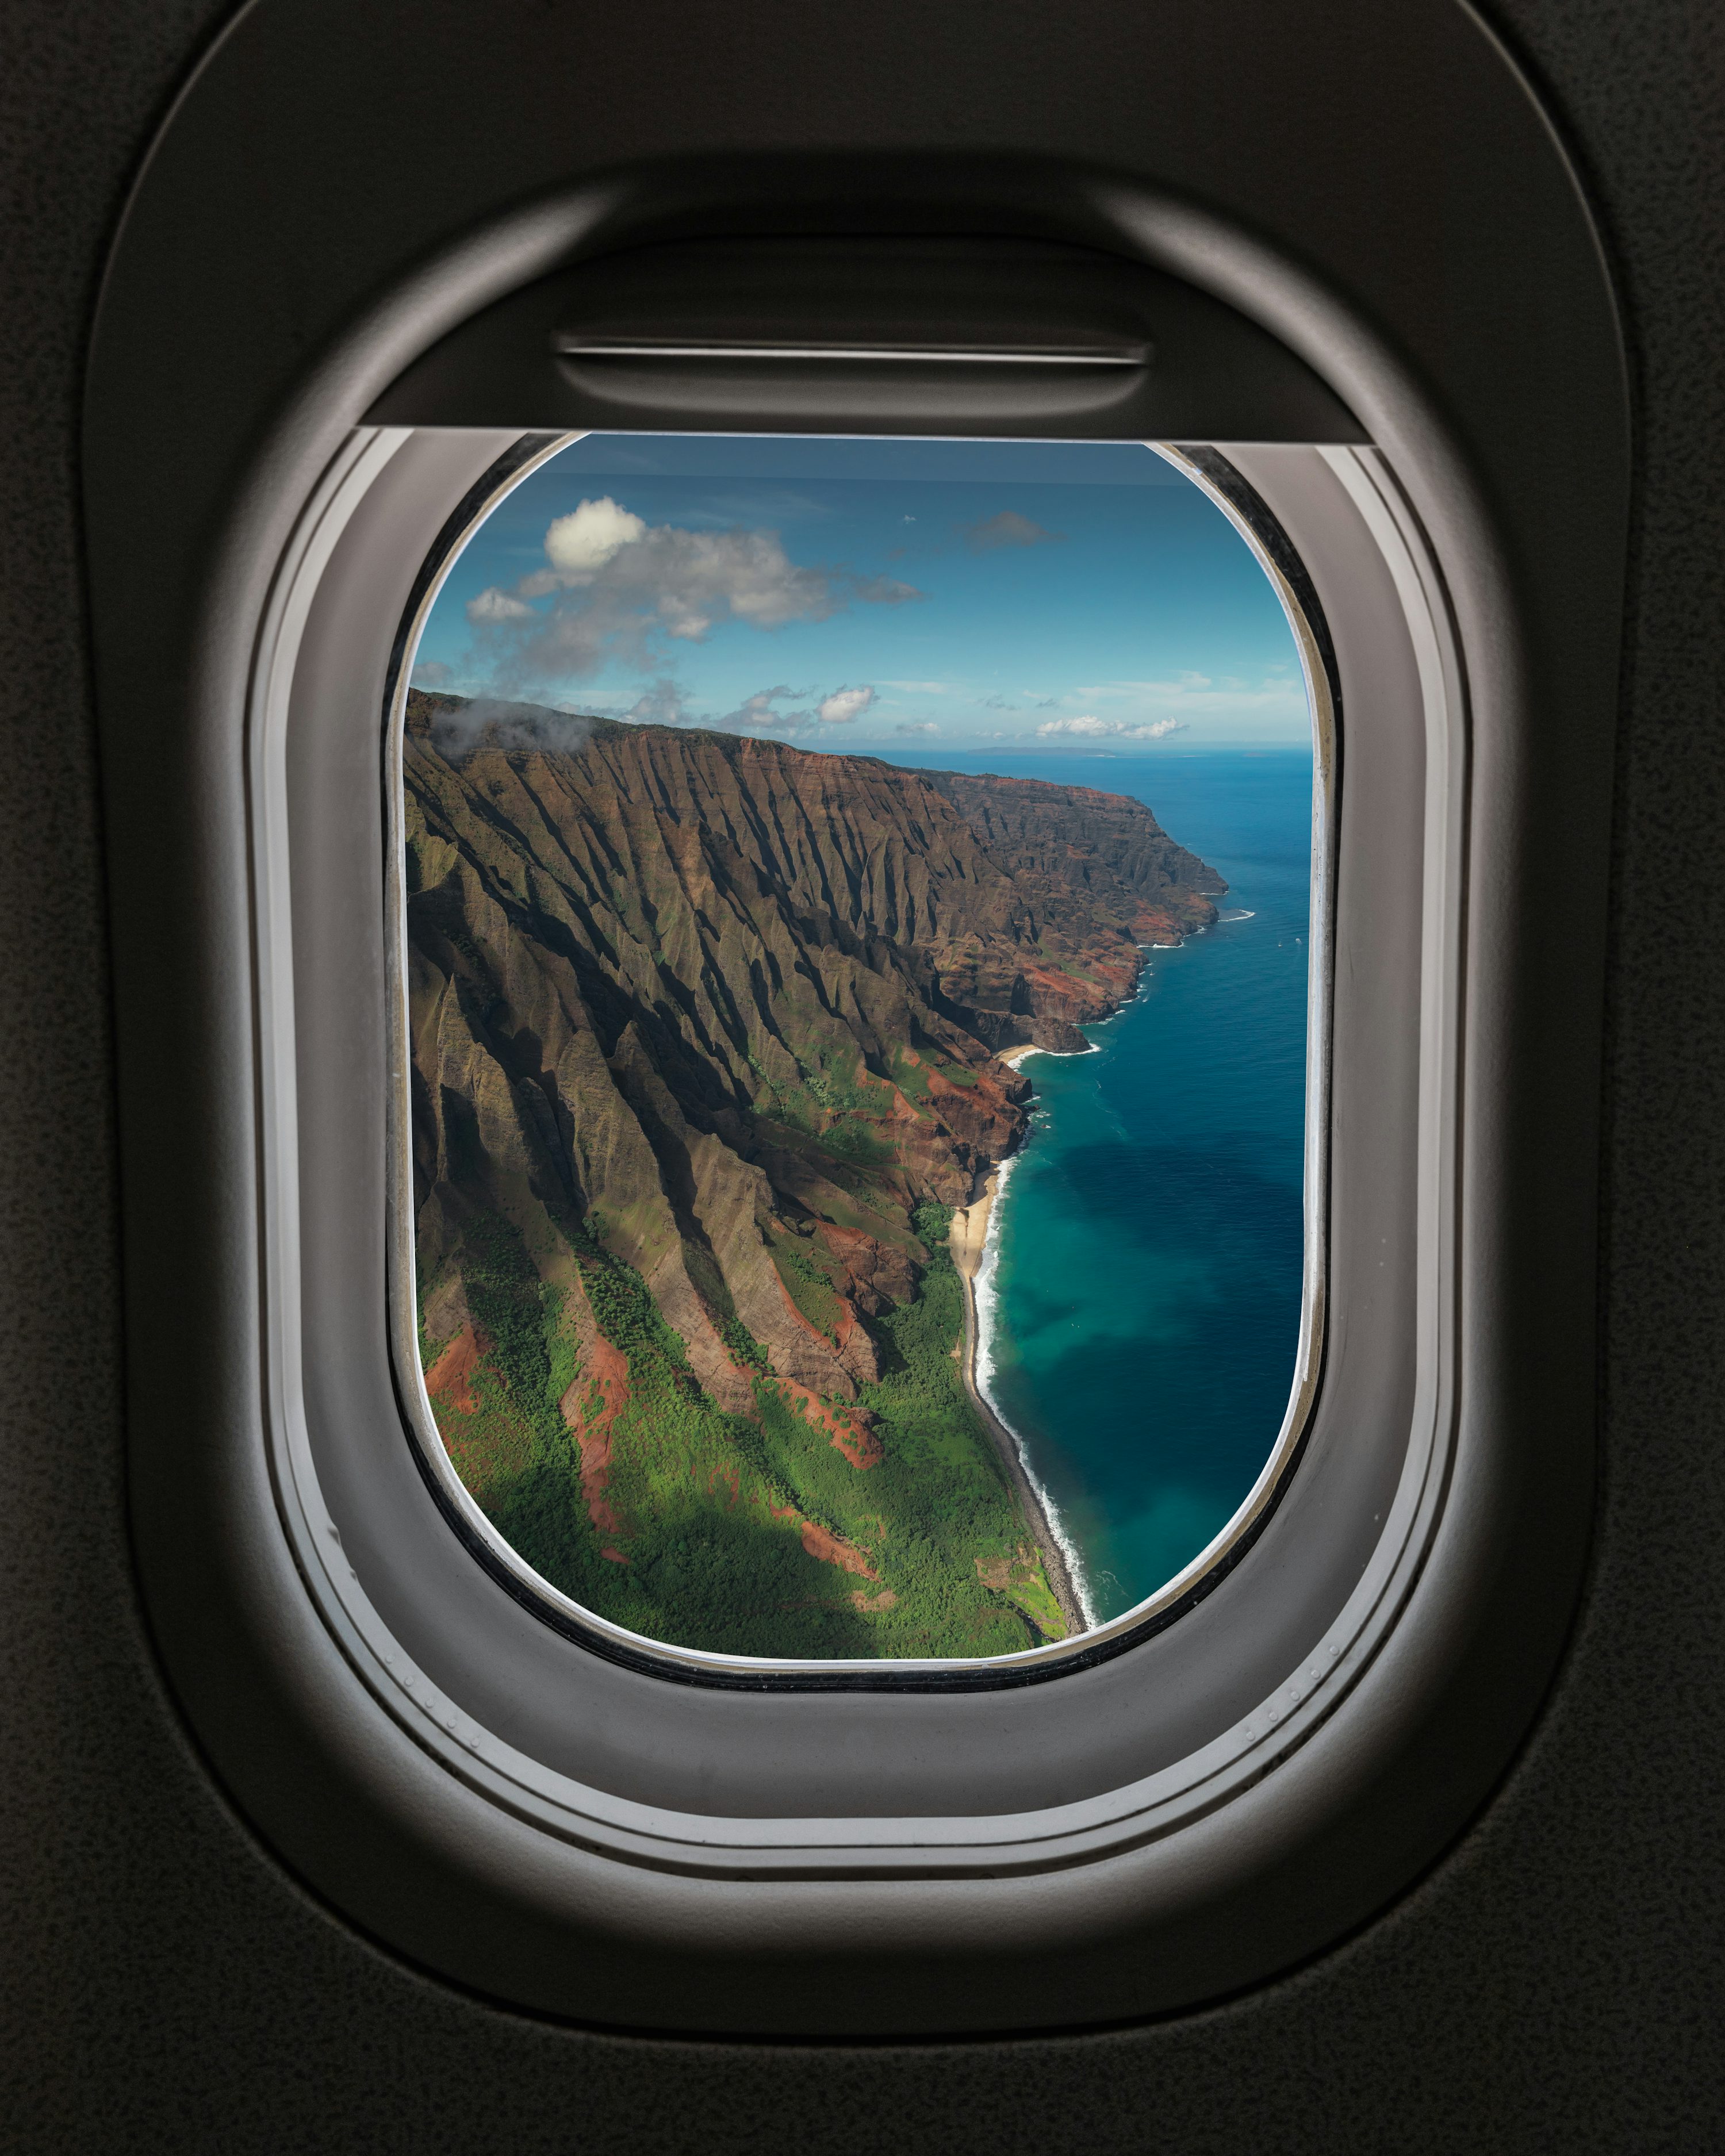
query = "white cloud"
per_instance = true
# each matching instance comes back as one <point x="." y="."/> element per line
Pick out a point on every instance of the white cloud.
<point x="617" y="584"/>
<point x="757" y="710"/>
<point x="1089" y="727"/>
<point x="660" y="706"/>
<point x="493" y="605"/>
<point x="762" y="708"/>
<point x="487" y="723"/>
<point x="579" y="545"/>
<point x="844" y="705"/>
<point x="431" y="673"/>
<point x="1228" y="709"/>
<point x="917" y="727"/>
<point x="1086" y="725"/>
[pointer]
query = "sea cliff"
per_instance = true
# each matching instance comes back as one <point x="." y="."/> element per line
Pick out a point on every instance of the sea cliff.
<point x="704" y="1037"/>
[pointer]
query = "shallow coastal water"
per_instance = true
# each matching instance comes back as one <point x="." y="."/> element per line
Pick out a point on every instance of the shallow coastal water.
<point x="1140" y="1299"/>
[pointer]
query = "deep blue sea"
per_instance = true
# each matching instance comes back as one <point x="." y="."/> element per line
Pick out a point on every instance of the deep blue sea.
<point x="1141" y="1301"/>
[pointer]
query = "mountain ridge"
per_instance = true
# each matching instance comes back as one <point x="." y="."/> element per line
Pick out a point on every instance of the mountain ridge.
<point x="721" y="1017"/>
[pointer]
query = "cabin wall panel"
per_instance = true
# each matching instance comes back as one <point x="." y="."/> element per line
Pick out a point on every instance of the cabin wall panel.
<point x="1553" y="1984"/>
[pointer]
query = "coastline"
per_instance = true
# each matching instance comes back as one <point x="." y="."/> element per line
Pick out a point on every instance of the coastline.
<point x="1011" y="1057"/>
<point x="969" y="1239"/>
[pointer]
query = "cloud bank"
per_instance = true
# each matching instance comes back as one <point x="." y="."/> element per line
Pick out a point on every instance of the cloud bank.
<point x="618" y="585"/>
<point x="1091" y="728"/>
<point x="489" y="722"/>
<point x="844" y="705"/>
<point x="757" y="710"/>
<point x="840" y="709"/>
<point x="660" y="706"/>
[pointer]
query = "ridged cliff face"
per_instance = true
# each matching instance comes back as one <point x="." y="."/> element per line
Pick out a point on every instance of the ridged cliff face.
<point x="718" y="1017"/>
<point x="1064" y="844"/>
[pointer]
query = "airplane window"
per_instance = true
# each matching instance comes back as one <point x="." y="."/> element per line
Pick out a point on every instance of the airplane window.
<point x="732" y="829"/>
<point x="858" y="936"/>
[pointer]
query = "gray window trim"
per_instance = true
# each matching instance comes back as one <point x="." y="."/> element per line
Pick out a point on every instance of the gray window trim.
<point x="1175" y="1594"/>
<point x="1047" y="1837"/>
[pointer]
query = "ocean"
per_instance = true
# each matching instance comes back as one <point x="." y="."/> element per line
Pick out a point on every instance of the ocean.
<point x="1140" y="1297"/>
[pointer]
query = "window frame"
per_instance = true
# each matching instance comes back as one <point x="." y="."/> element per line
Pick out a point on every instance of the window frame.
<point x="370" y="1560"/>
<point x="1252" y="519"/>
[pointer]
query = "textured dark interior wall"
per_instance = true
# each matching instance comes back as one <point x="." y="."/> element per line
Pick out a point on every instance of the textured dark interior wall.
<point x="1555" y="1984"/>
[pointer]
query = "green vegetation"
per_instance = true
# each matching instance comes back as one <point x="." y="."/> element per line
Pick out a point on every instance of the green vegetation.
<point x="711" y="1508"/>
<point x="932" y="1224"/>
<point x="654" y="1043"/>
<point x="833" y="1081"/>
<point x="743" y="1344"/>
<point x="861" y="1147"/>
<point x="911" y="1074"/>
<point x="809" y="1285"/>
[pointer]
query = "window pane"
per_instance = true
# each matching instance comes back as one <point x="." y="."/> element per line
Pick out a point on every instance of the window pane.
<point x="857" y="946"/>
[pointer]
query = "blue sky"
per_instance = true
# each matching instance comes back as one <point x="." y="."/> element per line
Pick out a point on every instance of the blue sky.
<point x="1003" y="598"/>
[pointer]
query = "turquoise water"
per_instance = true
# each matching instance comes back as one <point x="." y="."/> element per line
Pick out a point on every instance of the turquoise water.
<point x="1146" y="1275"/>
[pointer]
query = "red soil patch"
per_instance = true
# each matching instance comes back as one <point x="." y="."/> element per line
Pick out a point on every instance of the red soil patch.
<point x="605" y="1376"/>
<point x="861" y="1447"/>
<point x="450" y="1377"/>
<point x="943" y="1089"/>
<point x="904" y="1110"/>
<point x="828" y="1548"/>
<point x="853" y="1437"/>
<point x="877" y="1272"/>
<point x="615" y="1556"/>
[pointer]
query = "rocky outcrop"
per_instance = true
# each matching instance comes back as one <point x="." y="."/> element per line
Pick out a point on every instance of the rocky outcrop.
<point x="729" y="1009"/>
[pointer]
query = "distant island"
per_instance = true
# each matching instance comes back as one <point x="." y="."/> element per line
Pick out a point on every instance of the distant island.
<point x="706" y="1041"/>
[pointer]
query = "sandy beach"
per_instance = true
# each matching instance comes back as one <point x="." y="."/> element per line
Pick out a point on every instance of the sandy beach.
<point x="969" y="1235"/>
